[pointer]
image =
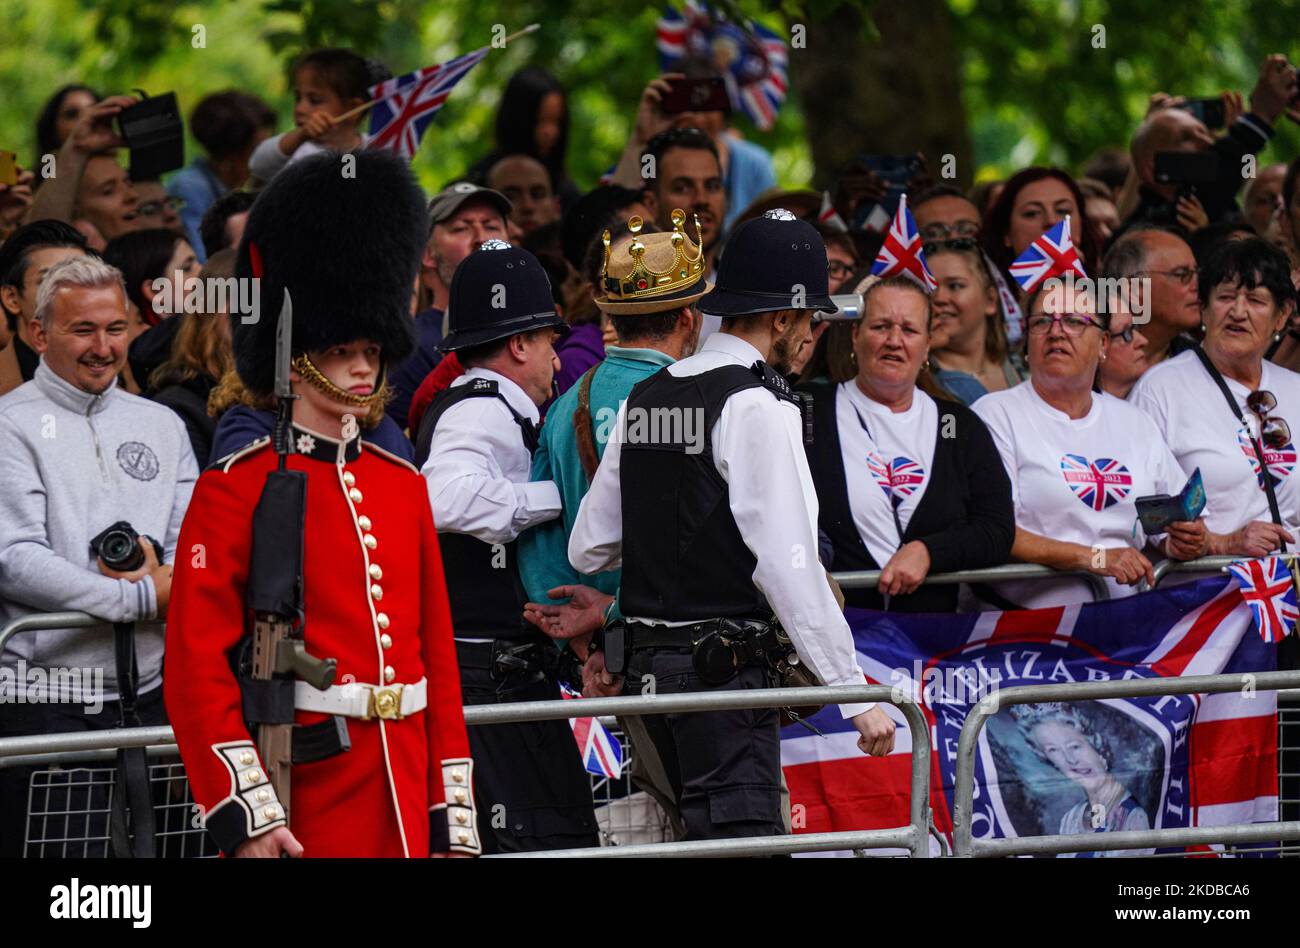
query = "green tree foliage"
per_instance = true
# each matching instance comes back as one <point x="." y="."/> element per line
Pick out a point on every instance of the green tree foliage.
<point x="1035" y="88"/>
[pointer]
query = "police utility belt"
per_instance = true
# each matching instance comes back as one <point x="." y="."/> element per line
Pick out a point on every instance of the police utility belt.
<point x="359" y="700"/>
<point x="719" y="647"/>
<point x="512" y="663"/>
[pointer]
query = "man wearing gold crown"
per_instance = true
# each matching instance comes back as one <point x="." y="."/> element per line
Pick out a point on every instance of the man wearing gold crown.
<point x="650" y="283"/>
<point x="718" y="541"/>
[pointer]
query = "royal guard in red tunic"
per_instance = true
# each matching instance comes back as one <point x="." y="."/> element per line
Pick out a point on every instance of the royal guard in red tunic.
<point x="380" y="758"/>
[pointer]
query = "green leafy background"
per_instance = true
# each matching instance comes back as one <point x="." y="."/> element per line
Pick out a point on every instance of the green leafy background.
<point x="1035" y="87"/>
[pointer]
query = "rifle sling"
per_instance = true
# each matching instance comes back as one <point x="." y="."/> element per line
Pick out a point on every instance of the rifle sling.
<point x="131" y="817"/>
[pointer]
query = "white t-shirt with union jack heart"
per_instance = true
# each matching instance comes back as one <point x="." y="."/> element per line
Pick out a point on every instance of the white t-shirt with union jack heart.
<point x="1203" y="432"/>
<point x="888" y="457"/>
<point x="1077" y="479"/>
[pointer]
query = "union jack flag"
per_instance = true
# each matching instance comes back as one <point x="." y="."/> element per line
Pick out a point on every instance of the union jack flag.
<point x="1099" y="484"/>
<point x="1051" y="255"/>
<point x="905" y="478"/>
<point x="901" y="252"/>
<point x="407" y="104"/>
<point x="878" y="467"/>
<point x="1267" y="587"/>
<point x="751" y="57"/>
<point x="1280" y="461"/>
<point x="602" y="755"/>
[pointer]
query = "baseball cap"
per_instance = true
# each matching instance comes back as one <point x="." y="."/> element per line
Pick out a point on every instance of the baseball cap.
<point x="451" y="198"/>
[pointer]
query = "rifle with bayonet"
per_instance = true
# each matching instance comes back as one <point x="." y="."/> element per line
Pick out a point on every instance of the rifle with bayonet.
<point x="275" y="588"/>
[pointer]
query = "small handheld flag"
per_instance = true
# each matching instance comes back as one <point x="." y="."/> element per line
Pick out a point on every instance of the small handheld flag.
<point x="1268" y="589"/>
<point x="751" y="57"/>
<point x="827" y="216"/>
<point x="901" y="254"/>
<point x="602" y="754"/>
<point x="407" y="104"/>
<point x="1051" y="255"/>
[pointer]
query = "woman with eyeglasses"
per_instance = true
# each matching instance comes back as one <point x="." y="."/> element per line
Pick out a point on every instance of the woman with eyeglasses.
<point x="906" y="483"/>
<point x="1126" y="359"/>
<point x="975" y="359"/>
<point x="1078" y="460"/>
<point x="1219" y="407"/>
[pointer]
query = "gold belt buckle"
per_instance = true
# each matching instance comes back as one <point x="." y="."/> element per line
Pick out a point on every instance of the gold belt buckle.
<point x="386" y="703"/>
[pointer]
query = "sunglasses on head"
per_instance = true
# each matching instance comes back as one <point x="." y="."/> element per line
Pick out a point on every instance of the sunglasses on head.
<point x="941" y="231"/>
<point x="952" y="243"/>
<point x="1274" y="432"/>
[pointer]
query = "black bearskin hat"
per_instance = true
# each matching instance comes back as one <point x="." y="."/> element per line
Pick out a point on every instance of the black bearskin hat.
<point x="347" y="243"/>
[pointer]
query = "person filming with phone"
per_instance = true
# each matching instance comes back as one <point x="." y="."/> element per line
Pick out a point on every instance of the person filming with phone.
<point x="1186" y="188"/>
<point x="97" y="482"/>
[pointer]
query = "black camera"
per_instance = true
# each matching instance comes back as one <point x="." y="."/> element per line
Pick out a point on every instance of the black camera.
<point x="119" y="547"/>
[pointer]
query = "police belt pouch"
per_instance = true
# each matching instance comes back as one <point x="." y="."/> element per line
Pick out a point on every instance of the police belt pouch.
<point x="719" y="649"/>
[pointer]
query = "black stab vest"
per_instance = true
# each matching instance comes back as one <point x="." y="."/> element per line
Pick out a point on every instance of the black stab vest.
<point x="684" y="559"/>
<point x="483" y="586"/>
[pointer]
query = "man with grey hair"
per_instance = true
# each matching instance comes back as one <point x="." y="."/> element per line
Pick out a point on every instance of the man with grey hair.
<point x="1167" y="308"/>
<point x="78" y="454"/>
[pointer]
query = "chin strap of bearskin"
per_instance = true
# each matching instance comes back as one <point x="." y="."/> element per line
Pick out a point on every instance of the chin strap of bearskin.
<point x="317" y="380"/>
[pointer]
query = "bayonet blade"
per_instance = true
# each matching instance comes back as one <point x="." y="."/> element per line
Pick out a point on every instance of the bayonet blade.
<point x="284" y="347"/>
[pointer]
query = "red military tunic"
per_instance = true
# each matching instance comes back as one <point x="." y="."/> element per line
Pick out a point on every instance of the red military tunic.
<point x="376" y="601"/>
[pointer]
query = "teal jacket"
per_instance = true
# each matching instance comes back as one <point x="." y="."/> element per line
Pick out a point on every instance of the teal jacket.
<point x="544" y="550"/>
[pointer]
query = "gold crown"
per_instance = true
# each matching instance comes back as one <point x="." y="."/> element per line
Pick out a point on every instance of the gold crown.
<point x="643" y="279"/>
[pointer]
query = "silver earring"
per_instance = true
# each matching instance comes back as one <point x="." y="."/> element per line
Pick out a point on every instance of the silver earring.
<point x="1277" y="337"/>
<point x="1202" y="327"/>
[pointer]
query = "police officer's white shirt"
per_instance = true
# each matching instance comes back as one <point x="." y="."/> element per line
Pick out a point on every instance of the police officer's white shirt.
<point x="478" y="467"/>
<point x="758" y="449"/>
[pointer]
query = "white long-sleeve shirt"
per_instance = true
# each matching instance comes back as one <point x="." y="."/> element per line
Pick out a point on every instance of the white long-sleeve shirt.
<point x="478" y="467"/>
<point x="758" y="449"/>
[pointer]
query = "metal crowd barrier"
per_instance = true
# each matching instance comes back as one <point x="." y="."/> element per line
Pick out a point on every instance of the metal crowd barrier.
<point x="41" y="749"/>
<point x="913" y="837"/>
<point x="859" y="579"/>
<point x="964" y="777"/>
<point x="849" y="580"/>
<point x="60" y="749"/>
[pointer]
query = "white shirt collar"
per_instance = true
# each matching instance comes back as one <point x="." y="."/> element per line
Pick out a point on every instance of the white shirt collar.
<point x="514" y="395"/>
<point x="733" y="346"/>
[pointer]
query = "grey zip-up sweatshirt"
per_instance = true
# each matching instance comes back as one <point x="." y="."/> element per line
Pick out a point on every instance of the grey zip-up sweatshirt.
<point x="71" y="464"/>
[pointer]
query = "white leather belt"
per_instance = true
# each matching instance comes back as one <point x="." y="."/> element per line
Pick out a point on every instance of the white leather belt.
<point x="358" y="700"/>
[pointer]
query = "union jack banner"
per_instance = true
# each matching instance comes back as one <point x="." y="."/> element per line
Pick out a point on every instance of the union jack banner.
<point x="1099" y="484"/>
<point x="752" y="58"/>
<point x="602" y="755"/>
<point x="1169" y="761"/>
<point x="407" y="104"/>
<point x="901" y="253"/>
<point x="1268" y="589"/>
<point x="1051" y="255"/>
